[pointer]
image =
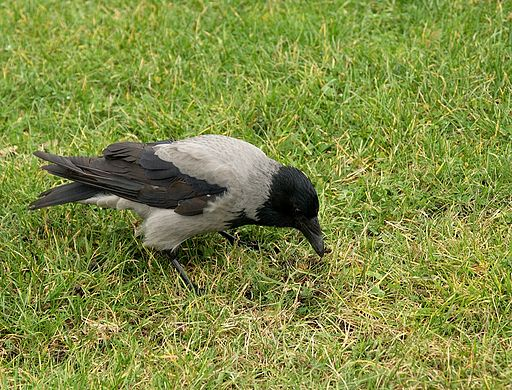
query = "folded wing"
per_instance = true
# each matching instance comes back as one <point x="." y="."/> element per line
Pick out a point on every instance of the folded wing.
<point x="133" y="171"/>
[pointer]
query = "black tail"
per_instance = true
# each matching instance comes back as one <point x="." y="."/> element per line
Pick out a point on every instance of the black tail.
<point x="66" y="193"/>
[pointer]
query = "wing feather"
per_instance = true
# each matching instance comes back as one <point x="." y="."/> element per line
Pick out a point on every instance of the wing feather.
<point x="133" y="171"/>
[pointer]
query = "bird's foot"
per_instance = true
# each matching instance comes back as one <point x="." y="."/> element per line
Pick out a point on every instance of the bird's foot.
<point x="234" y="238"/>
<point x="183" y="274"/>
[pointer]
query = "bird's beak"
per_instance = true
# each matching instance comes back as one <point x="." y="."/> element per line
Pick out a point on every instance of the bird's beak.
<point x="312" y="231"/>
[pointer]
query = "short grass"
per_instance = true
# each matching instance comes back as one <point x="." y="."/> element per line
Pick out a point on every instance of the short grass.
<point x="400" y="113"/>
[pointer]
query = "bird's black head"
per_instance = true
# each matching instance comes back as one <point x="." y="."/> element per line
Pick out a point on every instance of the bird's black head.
<point x="293" y="202"/>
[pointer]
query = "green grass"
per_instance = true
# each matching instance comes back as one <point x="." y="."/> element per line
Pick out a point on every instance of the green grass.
<point x="400" y="113"/>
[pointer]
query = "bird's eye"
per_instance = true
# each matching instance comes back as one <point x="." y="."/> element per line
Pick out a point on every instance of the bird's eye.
<point x="298" y="211"/>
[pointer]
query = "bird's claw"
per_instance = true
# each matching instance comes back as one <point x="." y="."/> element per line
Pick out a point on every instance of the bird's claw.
<point x="234" y="238"/>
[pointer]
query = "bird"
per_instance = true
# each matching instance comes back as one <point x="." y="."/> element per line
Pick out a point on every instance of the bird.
<point x="183" y="188"/>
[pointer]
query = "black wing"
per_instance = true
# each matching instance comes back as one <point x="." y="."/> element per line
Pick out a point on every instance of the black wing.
<point x="133" y="171"/>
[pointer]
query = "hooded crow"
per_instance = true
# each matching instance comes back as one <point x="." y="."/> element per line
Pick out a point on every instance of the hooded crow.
<point x="183" y="188"/>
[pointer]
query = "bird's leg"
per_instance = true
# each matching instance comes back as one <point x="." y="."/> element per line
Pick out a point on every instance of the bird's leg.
<point x="232" y="239"/>
<point x="228" y="237"/>
<point x="182" y="273"/>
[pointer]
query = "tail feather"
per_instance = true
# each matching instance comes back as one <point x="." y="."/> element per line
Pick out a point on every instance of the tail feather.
<point x="67" y="193"/>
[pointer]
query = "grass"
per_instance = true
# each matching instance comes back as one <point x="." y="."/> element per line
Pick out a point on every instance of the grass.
<point x="400" y="113"/>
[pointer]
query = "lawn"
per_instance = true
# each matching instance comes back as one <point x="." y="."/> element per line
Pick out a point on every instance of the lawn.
<point x="398" y="111"/>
